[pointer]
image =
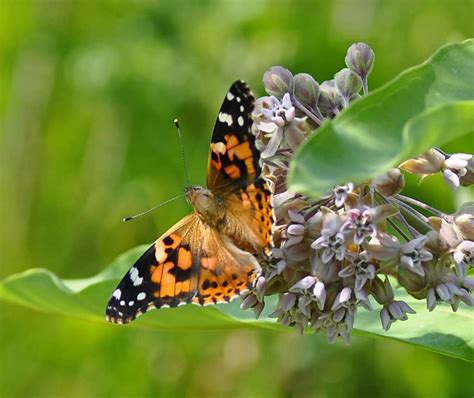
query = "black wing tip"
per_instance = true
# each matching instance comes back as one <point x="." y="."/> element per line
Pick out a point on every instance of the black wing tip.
<point x="239" y="81"/>
<point x="241" y="86"/>
<point x="113" y="313"/>
<point x="121" y="310"/>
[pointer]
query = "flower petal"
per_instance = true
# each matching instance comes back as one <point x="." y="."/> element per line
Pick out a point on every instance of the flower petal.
<point x="273" y="144"/>
<point x="451" y="179"/>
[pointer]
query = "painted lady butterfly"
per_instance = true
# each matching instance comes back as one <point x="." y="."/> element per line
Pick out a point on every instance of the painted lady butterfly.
<point x="210" y="256"/>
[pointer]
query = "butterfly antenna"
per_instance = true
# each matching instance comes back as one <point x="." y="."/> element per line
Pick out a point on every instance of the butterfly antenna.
<point x="152" y="209"/>
<point x="176" y="123"/>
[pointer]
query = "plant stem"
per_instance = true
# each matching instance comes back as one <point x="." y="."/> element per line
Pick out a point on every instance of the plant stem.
<point x="399" y="230"/>
<point x="410" y="209"/>
<point x="421" y="205"/>
<point x="306" y="111"/>
<point x="416" y="219"/>
<point x="399" y="217"/>
<point x="365" y="87"/>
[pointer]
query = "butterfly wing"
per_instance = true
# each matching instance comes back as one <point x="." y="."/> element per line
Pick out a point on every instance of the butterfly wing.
<point x="225" y="270"/>
<point x="234" y="172"/>
<point x="193" y="262"/>
<point x="189" y="263"/>
<point x="233" y="157"/>
<point x="165" y="275"/>
<point x="250" y="217"/>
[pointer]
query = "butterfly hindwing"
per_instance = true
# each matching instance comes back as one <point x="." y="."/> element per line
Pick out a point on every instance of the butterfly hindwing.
<point x="233" y="157"/>
<point x="250" y="212"/>
<point x="225" y="270"/>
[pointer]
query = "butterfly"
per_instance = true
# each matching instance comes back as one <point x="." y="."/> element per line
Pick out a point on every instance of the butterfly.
<point x="212" y="255"/>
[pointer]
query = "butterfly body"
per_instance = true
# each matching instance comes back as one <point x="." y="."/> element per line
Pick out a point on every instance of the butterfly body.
<point x="209" y="207"/>
<point x="212" y="254"/>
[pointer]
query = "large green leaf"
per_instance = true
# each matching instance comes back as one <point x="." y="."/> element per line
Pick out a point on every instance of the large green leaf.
<point x="425" y="106"/>
<point x="442" y="331"/>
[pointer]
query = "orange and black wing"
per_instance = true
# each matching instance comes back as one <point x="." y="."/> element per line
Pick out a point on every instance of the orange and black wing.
<point x="233" y="158"/>
<point x="225" y="271"/>
<point x="166" y="275"/>
<point x="191" y="263"/>
<point x="234" y="172"/>
<point x="250" y="217"/>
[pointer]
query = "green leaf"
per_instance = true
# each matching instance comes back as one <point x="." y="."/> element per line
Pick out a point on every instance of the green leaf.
<point x="441" y="331"/>
<point x="423" y="107"/>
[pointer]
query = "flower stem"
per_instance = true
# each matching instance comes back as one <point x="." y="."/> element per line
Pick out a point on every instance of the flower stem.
<point x="421" y="205"/>
<point x="398" y="229"/>
<point x="412" y="231"/>
<point x="306" y="111"/>
<point x="365" y="87"/>
<point x="417" y="221"/>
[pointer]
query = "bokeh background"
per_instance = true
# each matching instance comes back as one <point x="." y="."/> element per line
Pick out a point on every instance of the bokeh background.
<point x="88" y="93"/>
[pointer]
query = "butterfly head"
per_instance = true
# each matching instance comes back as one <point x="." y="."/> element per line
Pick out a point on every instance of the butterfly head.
<point x="208" y="206"/>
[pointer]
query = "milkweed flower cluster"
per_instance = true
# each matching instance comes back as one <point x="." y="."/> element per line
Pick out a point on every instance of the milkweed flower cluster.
<point x="344" y="251"/>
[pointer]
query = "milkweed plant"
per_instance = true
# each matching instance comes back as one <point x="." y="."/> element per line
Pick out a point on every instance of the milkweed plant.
<point x="347" y="249"/>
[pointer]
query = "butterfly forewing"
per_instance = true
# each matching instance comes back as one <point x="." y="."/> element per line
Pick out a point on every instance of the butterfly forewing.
<point x="165" y="275"/>
<point x="233" y="157"/>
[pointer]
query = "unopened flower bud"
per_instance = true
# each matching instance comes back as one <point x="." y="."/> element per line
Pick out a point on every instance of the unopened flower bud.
<point x="347" y="83"/>
<point x="468" y="179"/>
<point x="306" y="90"/>
<point x="381" y="290"/>
<point x="414" y="284"/>
<point x="329" y="99"/>
<point x="360" y="59"/>
<point x="278" y="81"/>
<point x="464" y="222"/>
<point x="389" y="184"/>
<point x="429" y="163"/>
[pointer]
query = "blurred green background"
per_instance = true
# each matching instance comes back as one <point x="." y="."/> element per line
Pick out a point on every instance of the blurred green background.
<point x="88" y="93"/>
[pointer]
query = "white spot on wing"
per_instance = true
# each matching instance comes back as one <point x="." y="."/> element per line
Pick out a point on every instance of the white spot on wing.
<point x="241" y="108"/>
<point x="225" y="118"/>
<point x="130" y="303"/>
<point x="219" y="147"/>
<point x="238" y="99"/>
<point x="240" y="120"/>
<point x="138" y="282"/>
<point x="134" y="277"/>
<point x="122" y="302"/>
<point x="141" y="296"/>
<point x="117" y="294"/>
<point x="230" y="96"/>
